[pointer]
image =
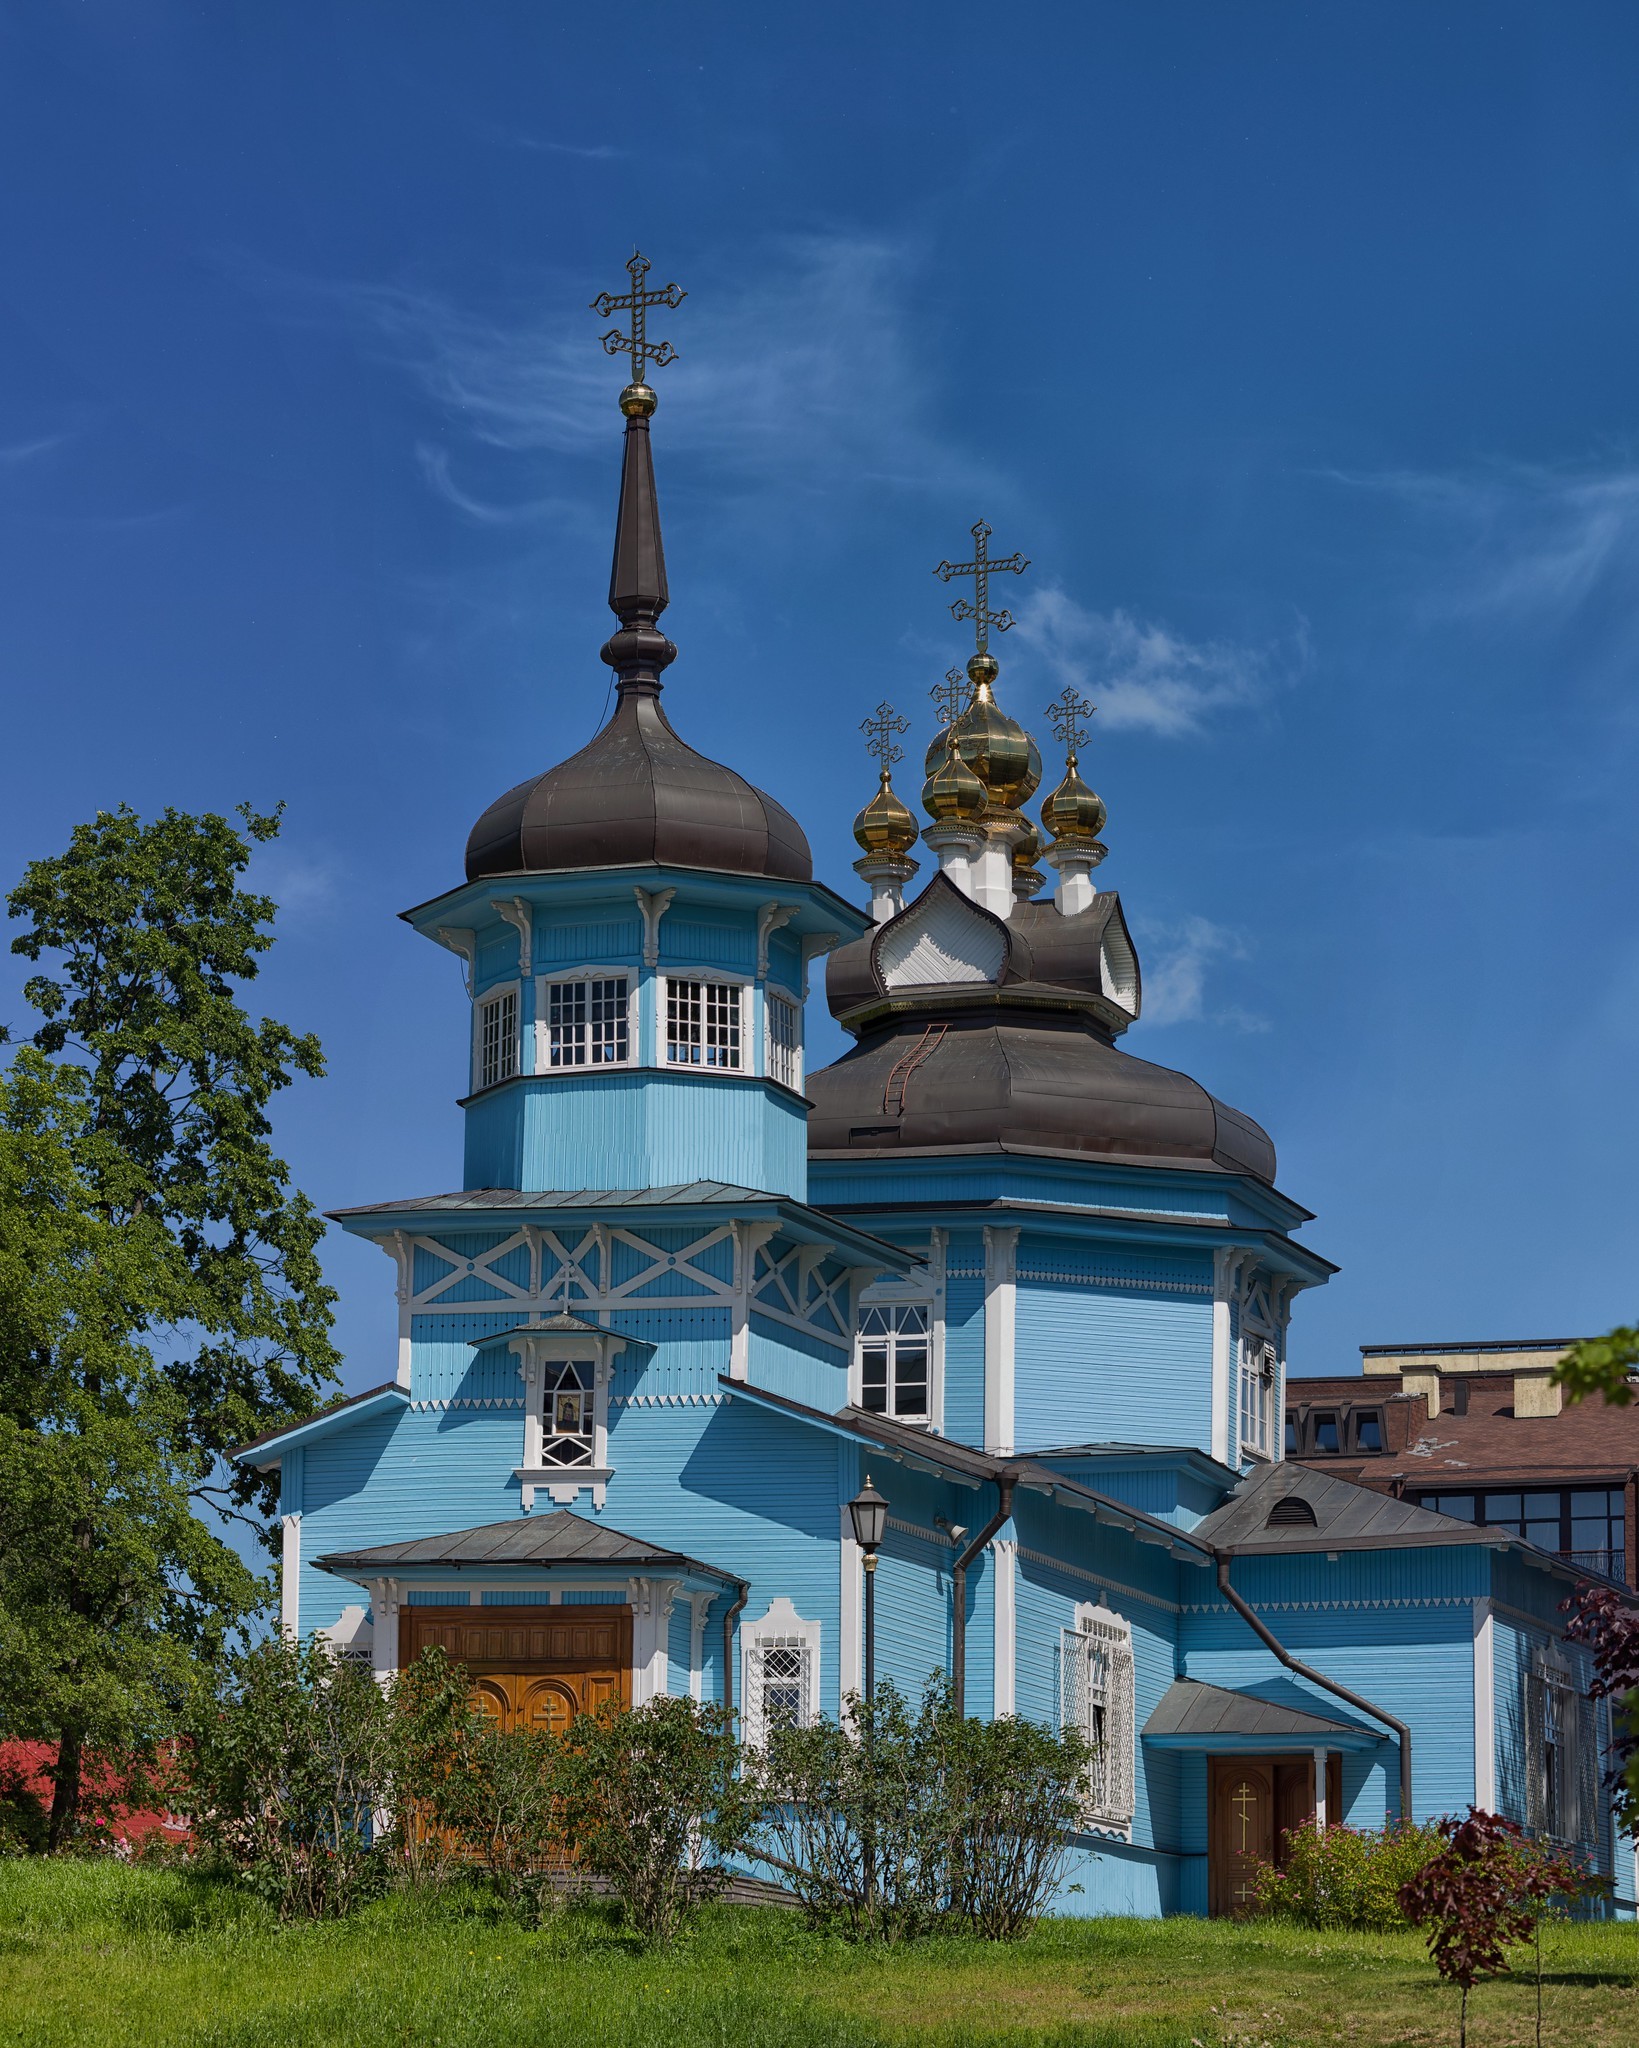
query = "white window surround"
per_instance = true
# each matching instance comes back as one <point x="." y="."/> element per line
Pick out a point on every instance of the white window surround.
<point x="782" y="1033"/>
<point x="1096" y="1695"/>
<point x="780" y="1671"/>
<point x="899" y="1310"/>
<point x="538" y="1353"/>
<point x="923" y="1288"/>
<point x="706" y="978"/>
<point x="1257" y="1394"/>
<point x="497" y="991"/>
<point x="544" y="984"/>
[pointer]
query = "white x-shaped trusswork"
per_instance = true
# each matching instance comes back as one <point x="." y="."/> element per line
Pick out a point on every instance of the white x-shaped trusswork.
<point x="665" y="1265"/>
<point x="477" y="1266"/>
<point x="793" y="1288"/>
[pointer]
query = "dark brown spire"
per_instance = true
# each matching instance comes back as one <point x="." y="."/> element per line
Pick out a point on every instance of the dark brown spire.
<point x="637" y="577"/>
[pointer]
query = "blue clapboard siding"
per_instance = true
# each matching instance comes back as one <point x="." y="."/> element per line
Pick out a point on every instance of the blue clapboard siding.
<point x="801" y="1367"/>
<point x="1106" y="1365"/>
<point x="965" y="1337"/>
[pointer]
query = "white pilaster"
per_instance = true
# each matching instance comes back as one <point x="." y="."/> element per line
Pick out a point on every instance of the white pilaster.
<point x="1225" y="1269"/>
<point x="851" y="1604"/>
<point x="290" y="1573"/>
<point x="651" y="1601"/>
<point x="749" y="1239"/>
<point x="1001" y="1317"/>
<point x="1004" y="1553"/>
<point x="1074" y="861"/>
<point x="957" y="845"/>
<point x="1485" y="1709"/>
<point x="1322" y="1820"/>
<point x="992" y="871"/>
<point x="699" y="1608"/>
<point x="384" y="1628"/>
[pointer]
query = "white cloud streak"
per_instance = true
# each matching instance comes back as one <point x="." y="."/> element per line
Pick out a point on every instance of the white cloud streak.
<point x="1181" y="956"/>
<point x="1142" y="675"/>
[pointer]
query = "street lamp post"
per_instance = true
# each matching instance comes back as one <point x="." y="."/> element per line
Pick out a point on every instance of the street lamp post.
<point x="870" y="1518"/>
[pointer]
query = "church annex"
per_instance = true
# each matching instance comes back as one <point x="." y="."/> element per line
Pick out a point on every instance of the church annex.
<point x="688" y="1296"/>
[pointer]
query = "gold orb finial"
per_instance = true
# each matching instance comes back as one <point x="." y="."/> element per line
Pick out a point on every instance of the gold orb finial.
<point x="982" y="670"/>
<point x="638" y="401"/>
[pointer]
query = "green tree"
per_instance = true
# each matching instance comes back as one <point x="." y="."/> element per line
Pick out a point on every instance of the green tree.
<point x="163" y="1298"/>
<point x="1601" y="1365"/>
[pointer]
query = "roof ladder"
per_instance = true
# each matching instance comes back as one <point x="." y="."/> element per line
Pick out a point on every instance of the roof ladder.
<point x="893" y="1092"/>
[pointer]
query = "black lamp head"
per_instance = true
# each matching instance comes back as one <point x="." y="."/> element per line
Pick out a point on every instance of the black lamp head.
<point x="870" y="1517"/>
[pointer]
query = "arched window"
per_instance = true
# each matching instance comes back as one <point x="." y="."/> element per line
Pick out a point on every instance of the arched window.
<point x="1096" y="1696"/>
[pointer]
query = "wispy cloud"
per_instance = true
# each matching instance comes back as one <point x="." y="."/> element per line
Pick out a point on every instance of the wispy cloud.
<point x="1178" y="960"/>
<point x="18" y="452"/>
<point x="1142" y="675"/>
<point x="434" y="464"/>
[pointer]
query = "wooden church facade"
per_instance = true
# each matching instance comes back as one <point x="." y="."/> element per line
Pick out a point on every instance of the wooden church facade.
<point x="689" y="1295"/>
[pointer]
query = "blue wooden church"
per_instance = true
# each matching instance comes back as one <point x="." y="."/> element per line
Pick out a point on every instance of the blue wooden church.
<point x="689" y="1295"/>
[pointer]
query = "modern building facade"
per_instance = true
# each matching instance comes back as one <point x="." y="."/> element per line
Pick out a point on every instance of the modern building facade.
<point x="688" y="1295"/>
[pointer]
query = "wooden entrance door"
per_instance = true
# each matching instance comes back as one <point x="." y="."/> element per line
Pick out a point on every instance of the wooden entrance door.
<point x="531" y="1666"/>
<point x="1241" y="1797"/>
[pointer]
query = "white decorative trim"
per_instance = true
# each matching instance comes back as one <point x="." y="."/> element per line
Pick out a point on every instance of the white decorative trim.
<point x="535" y="1351"/>
<point x="1485" y="1709"/>
<point x="290" y="1573"/>
<point x="1130" y="1283"/>
<point x="351" y="1634"/>
<point x="652" y="906"/>
<point x="555" y="977"/>
<point x="749" y="1239"/>
<point x="651" y="1603"/>
<point x="779" y="1627"/>
<point x="699" y="1608"/>
<point x="1004" y="1555"/>
<point x="1337" y="1606"/>
<point x="770" y="917"/>
<point x="1001" y="1323"/>
<point x="1098" y="1685"/>
<point x="401" y="1251"/>
<point x="519" y="915"/>
<point x="850" y="1612"/>
<point x="384" y="1605"/>
<point x="941" y="940"/>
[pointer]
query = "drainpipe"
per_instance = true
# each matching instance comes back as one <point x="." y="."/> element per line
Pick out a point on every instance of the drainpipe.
<point x="1342" y="1692"/>
<point x="958" y="1588"/>
<point x="729" y="1619"/>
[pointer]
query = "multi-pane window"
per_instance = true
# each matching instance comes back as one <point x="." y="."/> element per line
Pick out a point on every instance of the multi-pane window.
<point x="780" y="1673"/>
<point x="1561" y="1784"/>
<point x="1585" y="1524"/>
<point x="703" y="1023"/>
<point x="1096" y="1696"/>
<point x="588" y="1022"/>
<point x="893" y="1361"/>
<point x="784" y="1042"/>
<point x="566" y="1420"/>
<point x="1257" y="1397"/>
<point x="498" y="1038"/>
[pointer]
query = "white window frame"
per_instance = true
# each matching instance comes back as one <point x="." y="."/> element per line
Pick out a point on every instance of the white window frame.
<point x="1555" y="1703"/>
<point x="1257" y="1394"/>
<point x="1097" y="1686"/>
<point x="541" y="1355"/>
<point x="662" y="1023"/>
<point x="781" y="1629"/>
<point x="887" y="1300"/>
<point x="774" y="1001"/>
<point x="545" y="983"/>
<point x="497" y="992"/>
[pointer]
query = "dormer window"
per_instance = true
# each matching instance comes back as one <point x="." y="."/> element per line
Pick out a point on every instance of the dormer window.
<point x="497" y="1037"/>
<point x="1327" y="1437"/>
<point x="1368" y="1429"/>
<point x="705" y="1024"/>
<point x="587" y="1022"/>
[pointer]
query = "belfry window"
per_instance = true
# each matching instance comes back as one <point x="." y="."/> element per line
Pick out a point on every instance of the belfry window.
<point x="1258" y="1387"/>
<point x="497" y="1038"/>
<point x="893" y="1361"/>
<point x="588" y="1022"/>
<point x="703" y="1024"/>
<point x="784" y="1042"/>
<point x="1096" y="1697"/>
<point x="566" y="1421"/>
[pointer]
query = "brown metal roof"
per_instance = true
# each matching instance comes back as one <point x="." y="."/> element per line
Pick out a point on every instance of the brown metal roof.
<point x="561" y="1538"/>
<point x="1189" y="1706"/>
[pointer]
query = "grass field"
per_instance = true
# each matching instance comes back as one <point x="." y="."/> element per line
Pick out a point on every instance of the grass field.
<point x="102" y="1953"/>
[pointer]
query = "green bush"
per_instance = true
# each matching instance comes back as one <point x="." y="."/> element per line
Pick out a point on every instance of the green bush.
<point x="1346" y="1877"/>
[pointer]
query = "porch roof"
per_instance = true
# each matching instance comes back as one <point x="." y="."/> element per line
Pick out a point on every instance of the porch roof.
<point x="562" y="1540"/>
<point x="1194" y="1715"/>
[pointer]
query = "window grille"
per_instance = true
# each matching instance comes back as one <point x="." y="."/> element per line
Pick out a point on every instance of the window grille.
<point x="1096" y="1696"/>
<point x="1258" y="1397"/>
<point x="587" y="1022"/>
<point x="780" y="1693"/>
<point x="1562" y="1761"/>
<point x="498" y="1038"/>
<point x="566" y="1420"/>
<point x="784" y="1043"/>
<point x="703" y="1023"/>
<point x="893" y="1361"/>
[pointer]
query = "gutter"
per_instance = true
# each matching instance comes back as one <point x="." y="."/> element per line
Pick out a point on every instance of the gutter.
<point x="1267" y="1638"/>
<point x="958" y="1589"/>
<point x="729" y="1619"/>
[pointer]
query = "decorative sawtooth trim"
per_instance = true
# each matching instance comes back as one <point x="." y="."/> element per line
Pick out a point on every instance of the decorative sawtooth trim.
<point x="1079" y="1571"/>
<point x="505" y="1403"/>
<point x="1332" y="1606"/>
<point x="1136" y="1281"/>
<point x="666" y="1400"/>
<point x="964" y="1272"/>
<point x="923" y="1535"/>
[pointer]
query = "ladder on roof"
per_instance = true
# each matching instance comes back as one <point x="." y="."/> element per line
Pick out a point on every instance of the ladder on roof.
<point x="893" y="1093"/>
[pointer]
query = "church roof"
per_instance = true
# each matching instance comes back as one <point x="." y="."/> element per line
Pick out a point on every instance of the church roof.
<point x="1191" y="1713"/>
<point x="561" y="1538"/>
<point x="637" y="794"/>
<point x="1288" y="1507"/>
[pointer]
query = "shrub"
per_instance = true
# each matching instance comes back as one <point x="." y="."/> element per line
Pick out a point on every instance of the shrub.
<point x="888" y="1825"/>
<point x="1346" y="1877"/>
<point x="494" y="1798"/>
<point x="651" y="1801"/>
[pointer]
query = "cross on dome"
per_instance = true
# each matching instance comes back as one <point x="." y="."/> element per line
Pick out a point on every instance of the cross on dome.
<point x="880" y="730"/>
<point x="951" y="695"/>
<point x="978" y="608"/>
<point x="637" y="302"/>
<point x="1068" y="715"/>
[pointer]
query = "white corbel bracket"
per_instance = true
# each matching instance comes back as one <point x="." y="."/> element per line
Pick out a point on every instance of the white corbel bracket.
<point x="518" y="914"/>
<point x="653" y="905"/>
<point x="770" y="917"/>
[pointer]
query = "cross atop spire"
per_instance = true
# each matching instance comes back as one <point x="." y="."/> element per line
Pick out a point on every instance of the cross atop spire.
<point x="978" y="609"/>
<point x="880" y="730"/>
<point x="951" y="695"/>
<point x="637" y="302"/>
<point x="1068" y="715"/>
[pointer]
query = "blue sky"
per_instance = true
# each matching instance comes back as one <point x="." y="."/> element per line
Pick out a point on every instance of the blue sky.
<point x="1295" y="346"/>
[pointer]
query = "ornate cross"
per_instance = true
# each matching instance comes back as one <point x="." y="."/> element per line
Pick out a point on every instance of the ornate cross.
<point x="637" y="302"/>
<point x="979" y="569"/>
<point x="880" y="730"/>
<point x="951" y="695"/>
<point x="1068" y="717"/>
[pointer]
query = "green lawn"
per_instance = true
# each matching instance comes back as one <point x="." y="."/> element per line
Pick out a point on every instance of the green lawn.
<point x="97" y="1952"/>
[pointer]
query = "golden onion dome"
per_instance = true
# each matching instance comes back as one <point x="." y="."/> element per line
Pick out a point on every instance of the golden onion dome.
<point x="885" y="826"/>
<point x="997" y="748"/>
<point x="1027" y="847"/>
<point x="1073" y="811"/>
<point x="953" y="790"/>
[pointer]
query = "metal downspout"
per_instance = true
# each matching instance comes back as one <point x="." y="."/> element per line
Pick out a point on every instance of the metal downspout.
<point x="730" y="1617"/>
<point x="1342" y="1692"/>
<point x="958" y="1589"/>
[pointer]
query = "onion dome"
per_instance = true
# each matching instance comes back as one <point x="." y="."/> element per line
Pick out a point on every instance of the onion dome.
<point x="953" y="791"/>
<point x="1027" y="847"/>
<point x="997" y="748"/>
<point x="1073" y="811"/>
<point x="637" y="794"/>
<point x="885" y="825"/>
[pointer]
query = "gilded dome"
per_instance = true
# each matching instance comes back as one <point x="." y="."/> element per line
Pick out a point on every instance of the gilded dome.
<point x="885" y="826"/>
<point x="1073" y="811"/>
<point x="997" y="748"/>
<point x="1027" y="847"/>
<point x="953" y="790"/>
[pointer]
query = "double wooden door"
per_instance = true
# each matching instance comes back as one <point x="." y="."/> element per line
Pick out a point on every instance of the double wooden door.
<point x="531" y="1667"/>
<point x="1253" y="1802"/>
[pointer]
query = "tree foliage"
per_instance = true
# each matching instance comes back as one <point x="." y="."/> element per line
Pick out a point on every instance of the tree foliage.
<point x="1603" y="1619"/>
<point x="1601" y="1365"/>
<point x="160" y="1293"/>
